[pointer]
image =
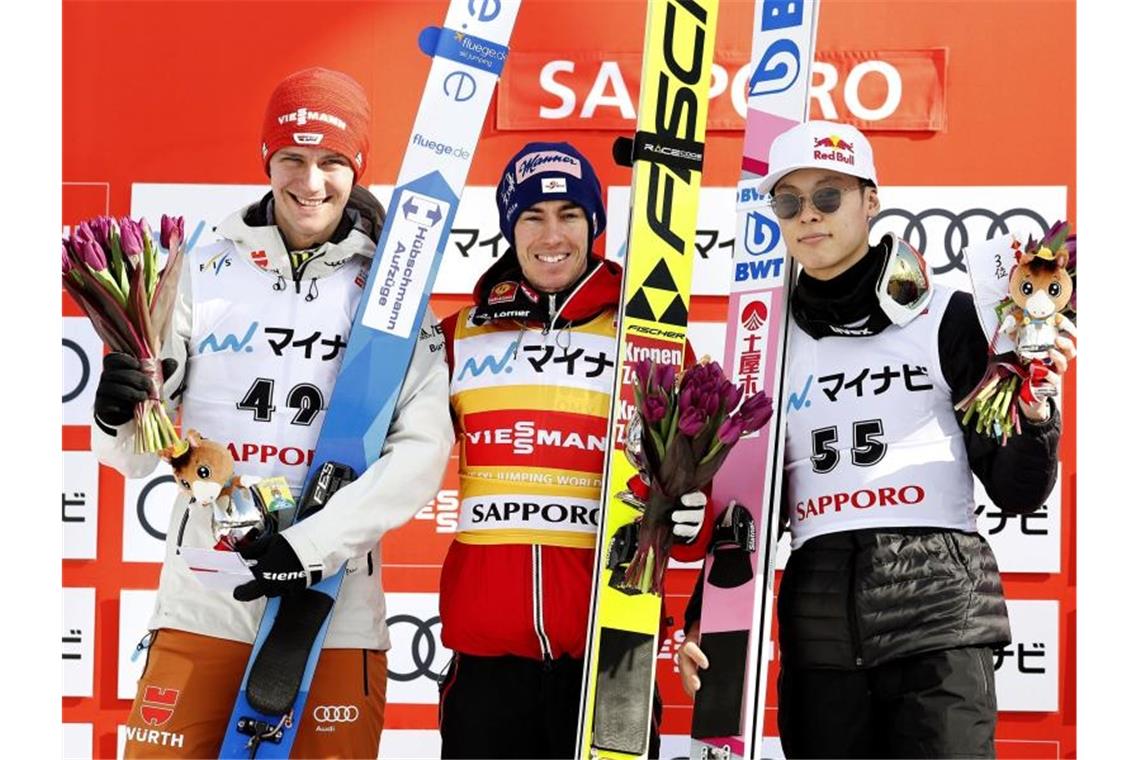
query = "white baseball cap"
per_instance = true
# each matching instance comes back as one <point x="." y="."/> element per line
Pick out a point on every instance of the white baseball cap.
<point x="819" y="145"/>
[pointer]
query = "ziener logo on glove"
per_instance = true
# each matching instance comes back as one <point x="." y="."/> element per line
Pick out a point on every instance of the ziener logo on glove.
<point x="294" y="575"/>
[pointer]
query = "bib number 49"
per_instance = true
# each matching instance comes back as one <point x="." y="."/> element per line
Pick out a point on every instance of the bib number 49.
<point x="306" y="398"/>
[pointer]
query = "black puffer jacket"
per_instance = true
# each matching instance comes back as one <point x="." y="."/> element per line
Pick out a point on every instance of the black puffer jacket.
<point x="860" y="598"/>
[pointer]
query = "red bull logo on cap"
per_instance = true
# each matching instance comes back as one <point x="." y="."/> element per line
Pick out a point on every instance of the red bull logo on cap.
<point x="834" y="148"/>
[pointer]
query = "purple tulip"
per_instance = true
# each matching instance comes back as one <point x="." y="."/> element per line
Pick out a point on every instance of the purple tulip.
<point x="147" y="235"/>
<point x="67" y="263"/>
<point x="130" y="238"/>
<point x="171" y="224"/>
<point x="691" y="421"/>
<point x="685" y="399"/>
<point x="101" y="229"/>
<point x="654" y="409"/>
<point x="82" y="234"/>
<point x="92" y="255"/>
<point x="711" y="404"/>
<point x="643" y="368"/>
<point x="729" y="431"/>
<point x="665" y="375"/>
<point x="755" y="412"/>
<point x="731" y="395"/>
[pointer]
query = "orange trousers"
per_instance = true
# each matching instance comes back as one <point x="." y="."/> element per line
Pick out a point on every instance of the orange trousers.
<point x="190" y="682"/>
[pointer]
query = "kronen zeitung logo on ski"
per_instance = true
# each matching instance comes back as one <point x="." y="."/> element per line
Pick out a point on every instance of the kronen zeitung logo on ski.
<point x="834" y="148"/>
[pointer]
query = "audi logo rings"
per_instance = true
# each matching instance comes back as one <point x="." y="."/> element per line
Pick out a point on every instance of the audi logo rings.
<point x="424" y="647"/>
<point x="336" y="713"/>
<point x="957" y="236"/>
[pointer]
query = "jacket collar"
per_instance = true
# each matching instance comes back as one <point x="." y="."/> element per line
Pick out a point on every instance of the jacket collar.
<point x="257" y="238"/>
<point x="503" y="293"/>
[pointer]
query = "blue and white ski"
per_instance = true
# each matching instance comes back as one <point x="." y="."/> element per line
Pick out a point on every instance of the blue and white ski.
<point x="468" y="54"/>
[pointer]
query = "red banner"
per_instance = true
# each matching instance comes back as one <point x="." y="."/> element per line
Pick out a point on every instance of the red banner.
<point x="878" y="90"/>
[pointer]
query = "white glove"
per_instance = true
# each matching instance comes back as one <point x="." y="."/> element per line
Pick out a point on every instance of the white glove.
<point x="688" y="516"/>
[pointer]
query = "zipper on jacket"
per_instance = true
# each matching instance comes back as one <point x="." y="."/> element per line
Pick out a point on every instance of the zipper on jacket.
<point x="364" y="659"/>
<point x="543" y="641"/>
<point x="370" y="562"/>
<point x="299" y="269"/>
<point x="856" y="638"/>
<point x="553" y="311"/>
<point x="144" y="644"/>
<point x="182" y="530"/>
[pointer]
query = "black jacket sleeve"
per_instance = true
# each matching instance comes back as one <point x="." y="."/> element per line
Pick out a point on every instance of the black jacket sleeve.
<point x="1019" y="475"/>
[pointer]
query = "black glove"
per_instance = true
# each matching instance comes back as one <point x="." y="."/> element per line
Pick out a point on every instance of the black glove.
<point x="122" y="385"/>
<point x="278" y="569"/>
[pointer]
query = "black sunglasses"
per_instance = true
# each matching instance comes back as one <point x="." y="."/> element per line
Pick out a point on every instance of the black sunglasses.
<point x="826" y="200"/>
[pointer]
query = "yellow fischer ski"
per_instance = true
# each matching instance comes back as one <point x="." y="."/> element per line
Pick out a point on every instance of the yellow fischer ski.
<point x="667" y="155"/>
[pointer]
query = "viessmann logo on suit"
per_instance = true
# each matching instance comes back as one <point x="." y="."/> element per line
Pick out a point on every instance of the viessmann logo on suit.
<point x="521" y="439"/>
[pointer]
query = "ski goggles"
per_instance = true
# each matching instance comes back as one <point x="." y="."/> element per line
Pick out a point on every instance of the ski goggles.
<point x="903" y="287"/>
<point x="826" y="200"/>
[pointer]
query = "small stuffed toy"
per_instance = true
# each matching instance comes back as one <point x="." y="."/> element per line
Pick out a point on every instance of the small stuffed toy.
<point x="205" y="470"/>
<point x="1042" y="291"/>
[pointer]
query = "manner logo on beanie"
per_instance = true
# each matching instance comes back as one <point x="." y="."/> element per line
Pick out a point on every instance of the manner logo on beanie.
<point x="819" y="145"/>
<point x="549" y="171"/>
<point x="319" y="108"/>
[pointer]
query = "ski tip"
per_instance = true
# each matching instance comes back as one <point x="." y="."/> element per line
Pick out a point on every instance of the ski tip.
<point x="429" y="39"/>
<point x="623" y="151"/>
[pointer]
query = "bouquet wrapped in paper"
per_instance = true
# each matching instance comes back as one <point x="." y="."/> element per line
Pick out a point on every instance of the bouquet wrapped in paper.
<point x="110" y="268"/>
<point x="684" y="428"/>
<point x="1037" y="300"/>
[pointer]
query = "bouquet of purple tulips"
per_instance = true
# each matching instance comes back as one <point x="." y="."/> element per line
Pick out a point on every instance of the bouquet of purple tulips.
<point x="110" y="268"/>
<point x="684" y="429"/>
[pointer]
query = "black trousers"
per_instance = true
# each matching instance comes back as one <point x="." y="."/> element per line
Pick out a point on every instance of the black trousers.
<point x="515" y="707"/>
<point x="938" y="704"/>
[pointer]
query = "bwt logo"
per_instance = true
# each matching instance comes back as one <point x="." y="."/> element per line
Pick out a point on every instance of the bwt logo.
<point x="761" y="234"/>
<point x="780" y="67"/>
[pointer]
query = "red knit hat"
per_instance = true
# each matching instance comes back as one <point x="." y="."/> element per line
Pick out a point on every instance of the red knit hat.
<point x="318" y="108"/>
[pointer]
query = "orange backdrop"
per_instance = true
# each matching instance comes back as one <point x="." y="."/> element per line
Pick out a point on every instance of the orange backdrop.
<point x="173" y="92"/>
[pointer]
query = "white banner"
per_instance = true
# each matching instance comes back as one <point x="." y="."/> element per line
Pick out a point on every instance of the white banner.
<point x="135" y="608"/>
<point x="1026" y="671"/>
<point x="80" y="505"/>
<point x="147" y="503"/>
<point x="82" y="363"/>
<point x="78" y="641"/>
<point x="77" y="741"/>
<point x="417" y="661"/>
